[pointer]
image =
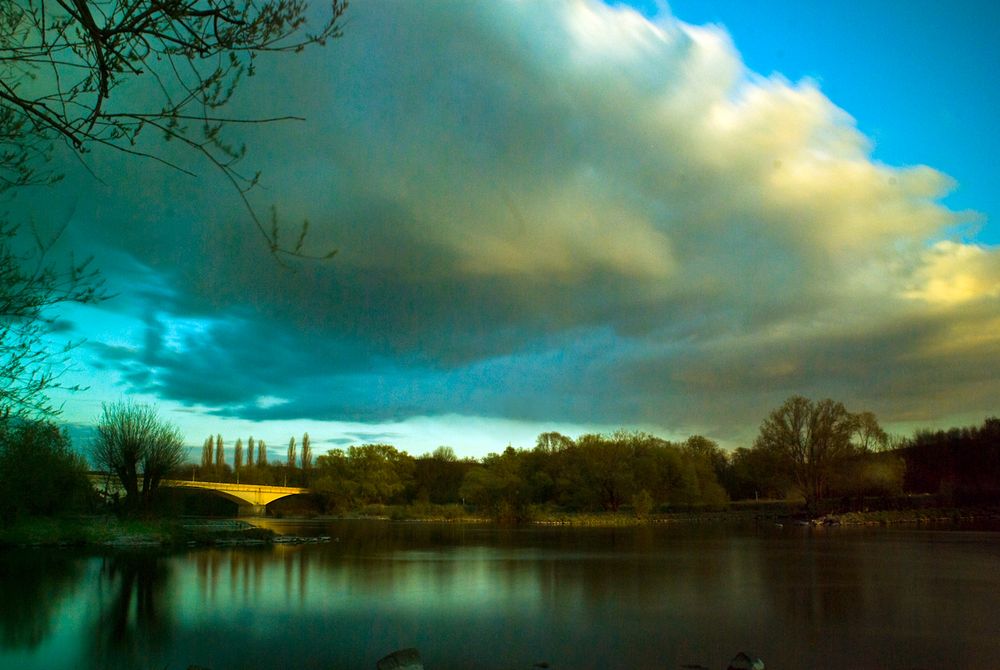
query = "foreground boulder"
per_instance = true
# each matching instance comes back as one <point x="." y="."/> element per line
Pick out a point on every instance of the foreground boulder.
<point x="743" y="662"/>
<point x="404" y="659"/>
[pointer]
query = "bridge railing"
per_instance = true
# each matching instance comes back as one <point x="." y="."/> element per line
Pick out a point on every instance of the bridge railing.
<point x="228" y="486"/>
<point x="110" y="482"/>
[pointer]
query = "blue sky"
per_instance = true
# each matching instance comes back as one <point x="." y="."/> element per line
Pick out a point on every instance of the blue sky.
<point x="918" y="77"/>
<point x="566" y="216"/>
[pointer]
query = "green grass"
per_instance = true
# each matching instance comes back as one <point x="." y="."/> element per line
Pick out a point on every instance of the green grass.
<point x="110" y="530"/>
<point x="75" y="531"/>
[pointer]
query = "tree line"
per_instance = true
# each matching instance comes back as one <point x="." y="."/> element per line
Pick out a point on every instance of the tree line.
<point x="814" y="453"/>
<point x="249" y="464"/>
<point x="806" y="451"/>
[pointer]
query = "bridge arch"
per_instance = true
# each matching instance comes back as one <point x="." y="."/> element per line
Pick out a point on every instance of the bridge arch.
<point x="251" y="499"/>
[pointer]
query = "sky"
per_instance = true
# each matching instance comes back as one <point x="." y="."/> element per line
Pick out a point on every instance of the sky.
<point x="568" y="216"/>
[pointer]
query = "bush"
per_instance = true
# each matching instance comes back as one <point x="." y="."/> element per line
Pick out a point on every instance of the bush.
<point x="39" y="473"/>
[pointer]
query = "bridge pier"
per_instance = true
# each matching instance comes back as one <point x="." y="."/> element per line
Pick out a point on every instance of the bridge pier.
<point x="252" y="510"/>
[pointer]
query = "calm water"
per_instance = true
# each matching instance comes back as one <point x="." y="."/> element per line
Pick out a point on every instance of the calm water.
<point x="479" y="597"/>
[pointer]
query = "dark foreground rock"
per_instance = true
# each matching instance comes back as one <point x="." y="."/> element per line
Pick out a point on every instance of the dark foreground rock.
<point x="744" y="662"/>
<point x="404" y="659"/>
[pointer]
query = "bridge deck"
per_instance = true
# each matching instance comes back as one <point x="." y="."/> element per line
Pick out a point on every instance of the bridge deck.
<point x="254" y="496"/>
<point x="242" y="488"/>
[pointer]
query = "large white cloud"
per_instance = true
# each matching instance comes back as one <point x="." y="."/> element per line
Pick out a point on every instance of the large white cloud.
<point x="509" y="180"/>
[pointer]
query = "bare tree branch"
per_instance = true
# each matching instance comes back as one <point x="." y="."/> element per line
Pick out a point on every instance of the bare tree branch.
<point x="61" y="61"/>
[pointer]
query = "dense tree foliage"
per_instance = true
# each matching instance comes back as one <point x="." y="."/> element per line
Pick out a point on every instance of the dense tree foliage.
<point x="437" y="477"/>
<point x="961" y="463"/>
<point x="597" y="473"/>
<point x="40" y="475"/>
<point x="807" y="450"/>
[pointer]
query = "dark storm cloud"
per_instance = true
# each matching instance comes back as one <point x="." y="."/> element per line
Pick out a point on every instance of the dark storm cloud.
<point x="60" y="326"/>
<point x="545" y="211"/>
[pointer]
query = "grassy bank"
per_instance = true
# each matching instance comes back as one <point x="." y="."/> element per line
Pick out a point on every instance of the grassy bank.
<point x="742" y="512"/>
<point x="111" y="531"/>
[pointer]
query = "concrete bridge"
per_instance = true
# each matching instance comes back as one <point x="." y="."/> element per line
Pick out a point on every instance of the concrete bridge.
<point x="252" y="499"/>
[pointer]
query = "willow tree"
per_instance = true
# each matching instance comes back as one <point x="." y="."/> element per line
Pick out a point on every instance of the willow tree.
<point x="135" y="445"/>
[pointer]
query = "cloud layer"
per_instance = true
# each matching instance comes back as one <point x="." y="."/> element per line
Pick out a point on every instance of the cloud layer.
<point x="547" y="211"/>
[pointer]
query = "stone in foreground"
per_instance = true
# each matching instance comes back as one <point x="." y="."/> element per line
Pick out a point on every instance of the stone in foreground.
<point x="404" y="659"/>
<point x="743" y="662"/>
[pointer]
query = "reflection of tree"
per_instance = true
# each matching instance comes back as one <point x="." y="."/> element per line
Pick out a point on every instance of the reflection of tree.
<point x="134" y="619"/>
<point x="816" y="584"/>
<point x="33" y="585"/>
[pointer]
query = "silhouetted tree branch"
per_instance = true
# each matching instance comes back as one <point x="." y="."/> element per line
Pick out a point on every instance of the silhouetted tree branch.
<point x="69" y="71"/>
<point x="29" y="284"/>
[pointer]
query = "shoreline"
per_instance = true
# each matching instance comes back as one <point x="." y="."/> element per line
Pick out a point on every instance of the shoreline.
<point x="108" y="532"/>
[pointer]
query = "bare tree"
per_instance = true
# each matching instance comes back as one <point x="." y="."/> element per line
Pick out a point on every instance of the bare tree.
<point x="67" y="68"/>
<point x="136" y="446"/>
<point x="810" y="439"/>
<point x="867" y="434"/>
<point x="291" y="452"/>
<point x="261" y="453"/>
<point x="250" y="452"/>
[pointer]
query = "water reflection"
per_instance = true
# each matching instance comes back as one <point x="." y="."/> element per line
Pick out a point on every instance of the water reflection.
<point x="493" y="598"/>
<point x="135" y="613"/>
<point x="33" y="586"/>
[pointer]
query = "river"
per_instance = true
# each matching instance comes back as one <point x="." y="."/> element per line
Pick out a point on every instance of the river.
<point x="488" y="597"/>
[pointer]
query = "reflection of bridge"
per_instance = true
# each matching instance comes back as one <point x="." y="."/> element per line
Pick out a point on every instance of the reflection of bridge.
<point x="252" y="499"/>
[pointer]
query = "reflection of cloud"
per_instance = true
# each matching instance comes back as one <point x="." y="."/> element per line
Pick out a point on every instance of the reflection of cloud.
<point x="550" y="211"/>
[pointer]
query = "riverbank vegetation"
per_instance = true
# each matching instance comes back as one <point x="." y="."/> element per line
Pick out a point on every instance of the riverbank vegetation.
<point x="810" y="458"/>
<point x="116" y="532"/>
<point x="40" y="474"/>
